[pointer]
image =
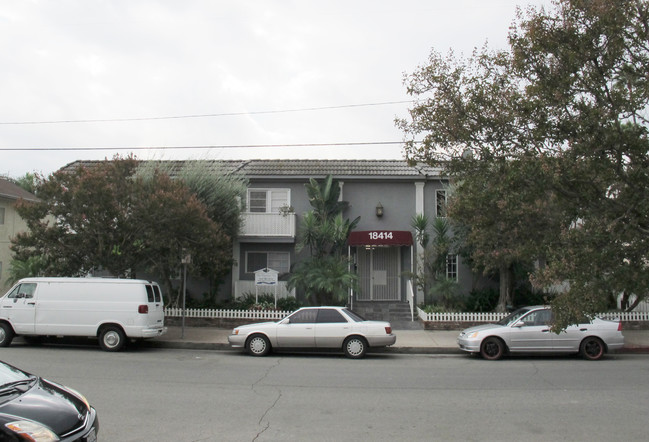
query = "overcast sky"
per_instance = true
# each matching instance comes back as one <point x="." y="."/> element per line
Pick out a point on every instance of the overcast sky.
<point x="206" y="75"/>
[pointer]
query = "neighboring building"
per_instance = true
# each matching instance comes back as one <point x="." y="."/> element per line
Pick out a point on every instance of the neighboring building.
<point x="10" y="224"/>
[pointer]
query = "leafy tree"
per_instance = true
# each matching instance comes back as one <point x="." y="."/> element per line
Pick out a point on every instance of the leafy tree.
<point x="325" y="276"/>
<point x="501" y="221"/>
<point x="177" y="224"/>
<point x="82" y="221"/>
<point x="28" y="182"/>
<point x="431" y="264"/>
<point x="220" y="192"/>
<point x="106" y="217"/>
<point x="567" y="100"/>
<point x="18" y="270"/>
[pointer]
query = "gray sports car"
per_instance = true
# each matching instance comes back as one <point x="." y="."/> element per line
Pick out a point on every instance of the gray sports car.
<point x="527" y="330"/>
<point x="315" y="328"/>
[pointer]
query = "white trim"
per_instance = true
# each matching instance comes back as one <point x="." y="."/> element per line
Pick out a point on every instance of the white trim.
<point x="269" y="197"/>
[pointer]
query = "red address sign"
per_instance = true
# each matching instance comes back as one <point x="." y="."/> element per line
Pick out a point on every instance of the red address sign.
<point x="380" y="238"/>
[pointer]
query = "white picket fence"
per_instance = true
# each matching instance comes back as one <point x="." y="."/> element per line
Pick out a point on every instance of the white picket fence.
<point x="460" y="316"/>
<point x="226" y="314"/>
<point x="428" y="317"/>
<point x="493" y="316"/>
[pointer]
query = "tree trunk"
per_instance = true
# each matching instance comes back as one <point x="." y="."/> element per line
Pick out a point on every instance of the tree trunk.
<point x="627" y="305"/>
<point x="506" y="298"/>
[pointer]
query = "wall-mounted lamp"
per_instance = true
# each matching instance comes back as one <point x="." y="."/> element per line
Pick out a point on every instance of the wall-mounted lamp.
<point x="379" y="210"/>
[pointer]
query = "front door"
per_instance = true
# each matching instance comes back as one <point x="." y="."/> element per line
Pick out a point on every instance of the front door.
<point x="378" y="272"/>
<point x="298" y="330"/>
<point x="532" y="332"/>
<point x="19" y="307"/>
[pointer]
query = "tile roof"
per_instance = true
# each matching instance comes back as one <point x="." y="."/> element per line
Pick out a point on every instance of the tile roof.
<point x="314" y="168"/>
<point x="338" y="168"/>
<point x="12" y="191"/>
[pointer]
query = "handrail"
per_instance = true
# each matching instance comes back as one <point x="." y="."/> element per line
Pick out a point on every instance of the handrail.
<point x="411" y="300"/>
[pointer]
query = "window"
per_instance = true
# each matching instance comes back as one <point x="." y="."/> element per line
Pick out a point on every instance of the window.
<point x="2" y="215"/>
<point x="538" y="318"/>
<point x="25" y="290"/>
<point x="149" y="293"/>
<point x="267" y="200"/>
<point x="329" y="315"/>
<point x="156" y="291"/>
<point x="307" y="316"/>
<point x="273" y="260"/>
<point x="451" y="267"/>
<point x="440" y="203"/>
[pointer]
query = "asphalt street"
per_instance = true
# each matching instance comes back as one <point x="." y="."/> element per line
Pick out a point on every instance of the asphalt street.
<point x="160" y="394"/>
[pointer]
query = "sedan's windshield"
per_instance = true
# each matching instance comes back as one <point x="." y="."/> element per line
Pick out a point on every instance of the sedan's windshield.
<point x="513" y="317"/>
<point x="10" y="375"/>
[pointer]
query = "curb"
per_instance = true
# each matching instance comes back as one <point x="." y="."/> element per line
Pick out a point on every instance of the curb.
<point x="190" y="345"/>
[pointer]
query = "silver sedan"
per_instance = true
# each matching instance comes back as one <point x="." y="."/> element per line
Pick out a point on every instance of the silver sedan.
<point x="527" y="330"/>
<point x="315" y="328"/>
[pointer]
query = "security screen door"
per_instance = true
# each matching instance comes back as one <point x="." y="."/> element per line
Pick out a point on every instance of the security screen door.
<point x="378" y="272"/>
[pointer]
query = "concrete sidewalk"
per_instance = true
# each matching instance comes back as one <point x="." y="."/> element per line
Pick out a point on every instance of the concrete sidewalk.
<point x="408" y="341"/>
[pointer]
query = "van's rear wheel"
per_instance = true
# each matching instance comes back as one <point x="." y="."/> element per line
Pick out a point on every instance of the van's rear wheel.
<point x="6" y="334"/>
<point x="112" y="338"/>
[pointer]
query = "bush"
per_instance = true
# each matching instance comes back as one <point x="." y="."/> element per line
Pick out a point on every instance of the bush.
<point x="435" y="308"/>
<point x="484" y="300"/>
<point x="524" y="296"/>
<point x="264" y="302"/>
<point x="288" y="304"/>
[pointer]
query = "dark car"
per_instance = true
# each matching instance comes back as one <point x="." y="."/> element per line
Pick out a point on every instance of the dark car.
<point x="32" y="408"/>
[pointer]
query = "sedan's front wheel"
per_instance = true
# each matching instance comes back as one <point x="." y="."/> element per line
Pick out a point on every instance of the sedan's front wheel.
<point x="592" y="348"/>
<point x="355" y="347"/>
<point x="258" y="345"/>
<point x="492" y="349"/>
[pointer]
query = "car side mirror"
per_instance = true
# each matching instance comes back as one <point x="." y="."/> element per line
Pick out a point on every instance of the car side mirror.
<point x="519" y="324"/>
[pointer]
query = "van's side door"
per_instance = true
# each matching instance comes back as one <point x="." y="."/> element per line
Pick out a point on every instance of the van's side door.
<point x="19" y="306"/>
<point x="156" y="306"/>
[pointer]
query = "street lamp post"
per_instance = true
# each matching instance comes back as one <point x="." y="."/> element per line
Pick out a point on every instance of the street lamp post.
<point x="185" y="261"/>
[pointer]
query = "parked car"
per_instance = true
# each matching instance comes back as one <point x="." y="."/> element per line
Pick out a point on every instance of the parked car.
<point x="315" y="328"/>
<point x="527" y="330"/>
<point x="112" y="310"/>
<point x="32" y="408"/>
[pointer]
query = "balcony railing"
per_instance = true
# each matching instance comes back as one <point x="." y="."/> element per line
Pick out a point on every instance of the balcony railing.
<point x="269" y="225"/>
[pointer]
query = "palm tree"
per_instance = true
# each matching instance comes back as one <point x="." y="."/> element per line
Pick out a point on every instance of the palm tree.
<point x="326" y="276"/>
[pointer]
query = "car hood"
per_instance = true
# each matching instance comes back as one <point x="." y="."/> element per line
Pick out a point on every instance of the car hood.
<point x="49" y="404"/>
<point x="255" y="325"/>
<point x="480" y="328"/>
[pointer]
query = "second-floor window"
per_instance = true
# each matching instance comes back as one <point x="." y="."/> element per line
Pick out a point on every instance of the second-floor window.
<point x="267" y="200"/>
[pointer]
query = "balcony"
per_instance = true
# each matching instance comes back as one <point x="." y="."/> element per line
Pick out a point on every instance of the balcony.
<point x="268" y="225"/>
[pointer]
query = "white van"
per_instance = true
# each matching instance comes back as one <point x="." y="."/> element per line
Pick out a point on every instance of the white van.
<point x="112" y="310"/>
